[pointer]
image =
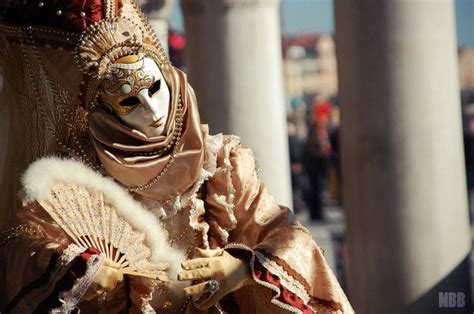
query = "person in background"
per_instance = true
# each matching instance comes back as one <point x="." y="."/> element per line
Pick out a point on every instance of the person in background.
<point x="177" y="45"/>
<point x="317" y="155"/>
<point x="300" y="184"/>
<point x="334" y="176"/>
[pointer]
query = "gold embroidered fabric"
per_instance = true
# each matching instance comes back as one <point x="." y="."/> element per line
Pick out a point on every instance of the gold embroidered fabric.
<point x="42" y="113"/>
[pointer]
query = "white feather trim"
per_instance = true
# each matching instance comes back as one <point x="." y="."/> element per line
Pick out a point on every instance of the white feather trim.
<point x="44" y="173"/>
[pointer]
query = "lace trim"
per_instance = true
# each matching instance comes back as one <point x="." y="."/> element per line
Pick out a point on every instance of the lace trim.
<point x="166" y="210"/>
<point x="146" y="298"/>
<point x="230" y="195"/>
<point x="286" y="279"/>
<point x="203" y="226"/>
<point x="222" y="232"/>
<point x="31" y="300"/>
<point x="213" y="145"/>
<point x="234" y="141"/>
<point x="71" y="298"/>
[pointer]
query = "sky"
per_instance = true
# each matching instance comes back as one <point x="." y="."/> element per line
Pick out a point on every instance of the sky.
<point x="302" y="16"/>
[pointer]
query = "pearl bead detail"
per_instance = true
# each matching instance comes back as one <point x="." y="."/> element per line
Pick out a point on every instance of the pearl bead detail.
<point x="167" y="304"/>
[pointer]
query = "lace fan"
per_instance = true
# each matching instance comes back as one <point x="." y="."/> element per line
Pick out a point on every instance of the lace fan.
<point x="92" y="222"/>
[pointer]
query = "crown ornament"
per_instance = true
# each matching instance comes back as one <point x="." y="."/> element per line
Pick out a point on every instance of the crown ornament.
<point x="102" y="43"/>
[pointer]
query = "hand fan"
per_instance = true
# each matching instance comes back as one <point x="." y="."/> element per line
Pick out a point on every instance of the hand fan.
<point x="92" y="222"/>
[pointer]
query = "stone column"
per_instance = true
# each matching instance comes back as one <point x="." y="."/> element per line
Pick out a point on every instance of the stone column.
<point x="403" y="166"/>
<point x="233" y="51"/>
<point x="158" y="13"/>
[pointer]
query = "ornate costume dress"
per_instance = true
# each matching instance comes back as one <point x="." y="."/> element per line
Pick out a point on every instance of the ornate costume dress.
<point x="182" y="189"/>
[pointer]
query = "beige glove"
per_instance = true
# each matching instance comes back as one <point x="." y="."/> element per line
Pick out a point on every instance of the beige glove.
<point x="231" y="273"/>
<point x="106" y="279"/>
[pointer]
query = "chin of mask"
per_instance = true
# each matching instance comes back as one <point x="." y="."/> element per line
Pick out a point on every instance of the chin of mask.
<point x="139" y="95"/>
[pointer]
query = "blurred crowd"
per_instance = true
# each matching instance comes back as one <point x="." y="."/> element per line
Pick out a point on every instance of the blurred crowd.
<point x="313" y="134"/>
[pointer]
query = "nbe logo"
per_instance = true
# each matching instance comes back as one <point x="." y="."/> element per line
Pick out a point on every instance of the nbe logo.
<point x="452" y="299"/>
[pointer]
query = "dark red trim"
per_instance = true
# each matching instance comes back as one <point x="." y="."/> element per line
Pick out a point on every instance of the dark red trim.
<point x="285" y="295"/>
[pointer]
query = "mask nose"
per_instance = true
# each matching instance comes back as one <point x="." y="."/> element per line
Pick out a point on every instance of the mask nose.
<point x="150" y="105"/>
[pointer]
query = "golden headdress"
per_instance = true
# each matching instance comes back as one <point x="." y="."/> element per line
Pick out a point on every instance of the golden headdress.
<point x="50" y="77"/>
<point x="106" y="41"/>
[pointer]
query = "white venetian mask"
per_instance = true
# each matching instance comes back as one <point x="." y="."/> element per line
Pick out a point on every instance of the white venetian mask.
<point x="138" y="93"/>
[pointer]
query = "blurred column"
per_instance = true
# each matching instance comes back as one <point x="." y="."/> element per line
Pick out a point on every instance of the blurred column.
<point x="403" y="166"/>
<point x="233" y="50"/>
<point x="158" y="13"/>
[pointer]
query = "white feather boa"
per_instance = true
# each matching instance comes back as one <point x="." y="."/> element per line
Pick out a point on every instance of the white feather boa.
<point x="42" y="174"/>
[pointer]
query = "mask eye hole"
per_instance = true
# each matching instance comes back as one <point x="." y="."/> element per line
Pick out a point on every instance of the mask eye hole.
<point x="130" y="102"/>
<point x="154" y="88"/>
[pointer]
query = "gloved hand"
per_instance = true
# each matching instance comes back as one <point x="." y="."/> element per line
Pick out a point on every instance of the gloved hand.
<point x="231" y="273"/>
<point x="106" y="279"/>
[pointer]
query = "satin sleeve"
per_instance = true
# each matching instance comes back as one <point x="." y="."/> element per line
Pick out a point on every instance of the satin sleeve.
<point x="243" y="216"/>
<point x="40" y="269"/>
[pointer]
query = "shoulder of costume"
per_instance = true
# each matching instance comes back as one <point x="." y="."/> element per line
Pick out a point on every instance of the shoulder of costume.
<point x="221" y="148"/>
<point x="226" y="139"/>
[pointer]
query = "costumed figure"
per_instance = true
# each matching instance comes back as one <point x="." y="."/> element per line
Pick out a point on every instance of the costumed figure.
<point x="137" y="207"/>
